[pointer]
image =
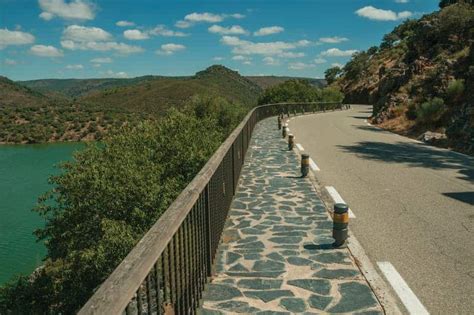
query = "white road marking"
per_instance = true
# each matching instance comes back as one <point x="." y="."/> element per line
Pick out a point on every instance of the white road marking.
<point x="338" y="199"/>
<point x="313" y="165"/>
<point x="300" y="147"/>
<point x="409" y="299"/>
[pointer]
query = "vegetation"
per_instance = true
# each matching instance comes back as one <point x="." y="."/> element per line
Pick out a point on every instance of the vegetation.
<point x="332" y="74"/>
<point x="109" y="196"/>
<point x="421" y="77"/>
<point x="299" y="91"/>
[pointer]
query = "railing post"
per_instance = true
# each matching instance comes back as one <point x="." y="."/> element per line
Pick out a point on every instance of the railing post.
<point x="209" y="230"/>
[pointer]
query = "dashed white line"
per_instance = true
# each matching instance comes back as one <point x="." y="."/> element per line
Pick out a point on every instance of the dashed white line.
<point x="338" y="199"/>
<point x="406" y="295"/>
<point x="300" y="147"/>
<point x="313" y="165"/>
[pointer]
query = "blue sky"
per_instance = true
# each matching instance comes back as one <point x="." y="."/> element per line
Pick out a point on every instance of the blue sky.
<point x="88" y="39"/>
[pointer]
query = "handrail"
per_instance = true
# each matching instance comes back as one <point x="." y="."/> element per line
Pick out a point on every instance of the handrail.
<point x="176" y="253"/>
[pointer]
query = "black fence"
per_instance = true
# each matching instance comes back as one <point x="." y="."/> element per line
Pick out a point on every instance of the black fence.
<point x="166" y="271"/>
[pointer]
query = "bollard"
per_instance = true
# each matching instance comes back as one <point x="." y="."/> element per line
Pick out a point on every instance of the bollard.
<point x="304" y="165"/>
<point x="283" y="132"/>
<point x="340" y="223"/>
<point x="291" y="142"/>
<point x="279" y="123"/>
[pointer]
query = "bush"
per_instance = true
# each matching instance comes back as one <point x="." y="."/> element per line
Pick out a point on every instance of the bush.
<point x="455" y="90"/>
<point x="431" y="110"/>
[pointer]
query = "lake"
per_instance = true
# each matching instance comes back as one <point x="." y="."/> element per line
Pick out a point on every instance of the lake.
<point x="24" y="173"/>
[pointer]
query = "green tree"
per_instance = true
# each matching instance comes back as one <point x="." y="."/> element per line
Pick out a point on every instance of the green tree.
<point x="332" y="74"/>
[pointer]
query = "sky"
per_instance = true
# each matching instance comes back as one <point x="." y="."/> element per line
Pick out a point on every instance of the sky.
<point x="93" y="38"/>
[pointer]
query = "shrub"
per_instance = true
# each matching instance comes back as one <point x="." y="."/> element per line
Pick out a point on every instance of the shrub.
<point x="431" y="110"/>
<point x="455" y="89"/>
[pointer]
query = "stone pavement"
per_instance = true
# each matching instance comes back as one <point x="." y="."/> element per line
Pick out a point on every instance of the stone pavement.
<point x="275" y="255"/>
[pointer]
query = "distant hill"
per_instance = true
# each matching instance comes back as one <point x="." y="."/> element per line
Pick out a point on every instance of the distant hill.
<point x="269" y="81"/>
<point x="85" y="109"/>
<point x="13" y="94"/>
<point x="156" y="95"/>
<point x="80" y="87"/>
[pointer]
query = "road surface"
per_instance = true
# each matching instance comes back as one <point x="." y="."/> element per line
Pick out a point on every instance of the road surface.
<point x="413" y="203"/>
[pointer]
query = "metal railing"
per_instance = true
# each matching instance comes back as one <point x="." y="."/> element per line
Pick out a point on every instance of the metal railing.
<point x="166" y="271"/>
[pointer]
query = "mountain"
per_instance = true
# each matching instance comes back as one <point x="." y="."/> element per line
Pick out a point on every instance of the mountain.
<point x="15" y="95"/>
<point x="158" y="94"/>
<point x="269" y="81"/>
<point x="421" y="78"/>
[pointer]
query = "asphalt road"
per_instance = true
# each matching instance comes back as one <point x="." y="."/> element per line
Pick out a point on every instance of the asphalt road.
<point x="414" y="204"/>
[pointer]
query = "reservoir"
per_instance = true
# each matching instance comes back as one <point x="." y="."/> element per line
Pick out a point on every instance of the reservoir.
<point x="24" y="173"/>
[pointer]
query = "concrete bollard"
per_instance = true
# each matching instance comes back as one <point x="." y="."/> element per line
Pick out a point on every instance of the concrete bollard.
<point x="340" y="223"/>
<point x="283" y="132"/>
<point x="291" y="142"/>
<point x="279" y="123"/>
<point x="304" y="165"/>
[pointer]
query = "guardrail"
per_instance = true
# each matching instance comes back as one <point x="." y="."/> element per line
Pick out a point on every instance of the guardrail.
<point x="166" y="271"/>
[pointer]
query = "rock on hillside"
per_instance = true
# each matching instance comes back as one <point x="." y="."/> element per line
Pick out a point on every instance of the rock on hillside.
<point x="421" y="78"/>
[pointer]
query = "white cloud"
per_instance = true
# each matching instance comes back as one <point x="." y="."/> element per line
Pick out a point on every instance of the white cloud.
<point x="270" y="61"/>
<point x="372" y="13"/>
<point x="239" y="57"/>
<point x="124" y="23"/>
<point x="102" y="60"/>
<point x="300" y="66"/>
<point x="9" y="62"/>
<point x="336" y="64"/>
<point x="113" y="74"/>
<point x="85" y="34"/>
<point x="247" y="62"/>
<point x="204" y="17"/>
<point x="46" y="51"/>
<point x="290" y="54"/>
<point x="161" y="30"/>
<point x="8" y="38"/>
<point x="135" y="35"/>
<point x="402" y="1"/>
<point x="183" y="24"/>
<point x="269" y="30"/>
<point x="169" y="49"/>
<point x="319" y="60"/>
<point x="218" y="58"/>
<point x="120" y="48"/>
<point x="93" y="38"/>
<point x="333" y="40"/>
<point x="74" y="10"/>
<point x="244" y="47"/>
<point x="233" y="30"/>
<point x="336" y="52"/>
<point x="74" y="67"/>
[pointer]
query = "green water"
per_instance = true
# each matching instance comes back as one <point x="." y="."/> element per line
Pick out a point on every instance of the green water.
<point x="24" y="172"/>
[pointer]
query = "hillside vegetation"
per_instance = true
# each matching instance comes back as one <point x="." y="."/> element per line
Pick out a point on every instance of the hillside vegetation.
<point x="421" y="77"/>
<point x="268" y="81"/>
<point x="87" y="109"/>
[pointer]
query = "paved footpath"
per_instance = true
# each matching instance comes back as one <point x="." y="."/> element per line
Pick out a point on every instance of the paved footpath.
<point x="275" y="255"/>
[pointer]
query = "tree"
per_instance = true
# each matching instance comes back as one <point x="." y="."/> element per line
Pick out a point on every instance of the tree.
<point x="332" y="74"/>
<point x="105" y="200"/>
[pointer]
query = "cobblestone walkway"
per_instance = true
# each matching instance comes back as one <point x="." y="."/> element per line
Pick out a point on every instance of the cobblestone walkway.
<point x="275" y="256"/>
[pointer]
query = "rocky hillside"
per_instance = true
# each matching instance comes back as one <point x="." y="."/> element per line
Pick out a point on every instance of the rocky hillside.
<point x="421" y="77"/>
